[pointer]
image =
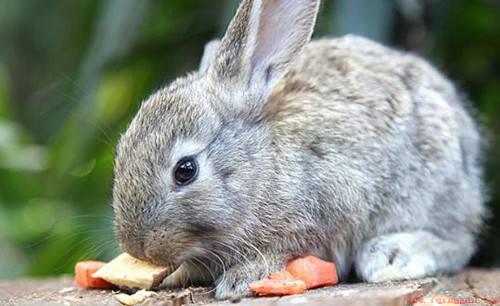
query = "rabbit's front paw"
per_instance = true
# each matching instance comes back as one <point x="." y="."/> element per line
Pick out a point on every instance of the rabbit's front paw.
<point x="395" y="257"/>
<point x="235" y="282"/>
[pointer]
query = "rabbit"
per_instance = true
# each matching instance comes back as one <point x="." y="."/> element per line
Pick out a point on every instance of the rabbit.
<point x="279" y="147"/>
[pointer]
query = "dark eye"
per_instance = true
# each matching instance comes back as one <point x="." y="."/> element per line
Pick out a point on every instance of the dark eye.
<point x="185" y="171"/>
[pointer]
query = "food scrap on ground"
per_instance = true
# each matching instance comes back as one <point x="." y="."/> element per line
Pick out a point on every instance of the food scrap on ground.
<point x="301" y="273"/>
<point x="130" y="272"/>
<point x="136" y="298"/>
<point x="84" y="271"/>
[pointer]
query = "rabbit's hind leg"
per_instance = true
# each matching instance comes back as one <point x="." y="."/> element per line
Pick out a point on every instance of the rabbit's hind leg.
<point x="411" y="255"/>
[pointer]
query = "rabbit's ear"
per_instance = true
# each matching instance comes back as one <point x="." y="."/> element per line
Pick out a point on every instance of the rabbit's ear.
<point x="262" y="41"/>
<point x="209" y="55"/>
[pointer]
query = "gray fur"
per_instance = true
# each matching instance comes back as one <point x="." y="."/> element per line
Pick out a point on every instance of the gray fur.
<point x="339" y="148"/>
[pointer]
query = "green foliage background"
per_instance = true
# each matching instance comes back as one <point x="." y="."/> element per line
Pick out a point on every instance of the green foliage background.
<point x="73" y="73"/>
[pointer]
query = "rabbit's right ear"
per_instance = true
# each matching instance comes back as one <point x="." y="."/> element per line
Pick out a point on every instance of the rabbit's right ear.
<point x="262" y="42"/>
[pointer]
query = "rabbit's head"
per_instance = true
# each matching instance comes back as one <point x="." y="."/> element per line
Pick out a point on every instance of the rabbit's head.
<point x="198" y="155"/>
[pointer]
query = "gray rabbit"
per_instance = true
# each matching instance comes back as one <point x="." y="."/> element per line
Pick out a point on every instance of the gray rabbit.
<point x="279" y="147"/>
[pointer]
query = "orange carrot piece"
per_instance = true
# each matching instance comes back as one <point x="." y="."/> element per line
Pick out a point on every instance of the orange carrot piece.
<point x="83" y="275"/>
<point x="280" y="275"/>
<point x="313" y="271"/>
<point x="278" y="283"/>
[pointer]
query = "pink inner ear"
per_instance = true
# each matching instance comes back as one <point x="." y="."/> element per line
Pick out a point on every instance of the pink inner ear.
<point x="284" y="28"/>
<point x="272" y="33"/>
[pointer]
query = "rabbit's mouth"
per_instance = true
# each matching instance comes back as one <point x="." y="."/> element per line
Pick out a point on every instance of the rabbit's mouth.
<point x="174" y="257"/>
<point x="163" y="262"/>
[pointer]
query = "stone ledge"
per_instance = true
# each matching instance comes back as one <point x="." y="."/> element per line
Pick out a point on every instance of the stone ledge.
<point x="470" y="287"/>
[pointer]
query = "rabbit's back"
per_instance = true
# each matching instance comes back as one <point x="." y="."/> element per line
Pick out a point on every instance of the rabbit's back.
<point x="369" y="89"/>
<point x="381" y="134"/>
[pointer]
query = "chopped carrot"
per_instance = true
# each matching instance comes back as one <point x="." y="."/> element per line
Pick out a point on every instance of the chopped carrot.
<point x="278" y="283"/>
<point x="313" y="271"/>
<point x="301" y="274"/>
<point x="83" y="275"/>
<point x="280" y="275"/>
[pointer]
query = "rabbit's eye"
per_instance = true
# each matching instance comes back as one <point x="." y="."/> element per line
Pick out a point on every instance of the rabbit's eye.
<point x="185" y="171"/>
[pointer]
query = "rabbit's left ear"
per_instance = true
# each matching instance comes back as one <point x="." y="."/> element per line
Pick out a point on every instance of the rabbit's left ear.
<point x="262" y="42"/>
<point x="209" y="55"/>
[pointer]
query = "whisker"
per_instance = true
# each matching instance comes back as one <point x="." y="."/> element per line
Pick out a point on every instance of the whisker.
<point x="206" y="267"/>
<point x="237" y="258"/>
<point x="251" y="245"/>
